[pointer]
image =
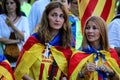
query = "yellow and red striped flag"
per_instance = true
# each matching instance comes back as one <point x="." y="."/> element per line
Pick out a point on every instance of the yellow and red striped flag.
<point x="102" y="8"/>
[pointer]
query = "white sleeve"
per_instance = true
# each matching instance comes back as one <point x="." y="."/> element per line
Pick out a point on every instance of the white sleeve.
<point x="114" y="33"/>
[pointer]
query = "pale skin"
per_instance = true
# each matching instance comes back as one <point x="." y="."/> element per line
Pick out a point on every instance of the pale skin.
<point x="56" y="20"/>
<point x="65" y="3"/>
<point x="93" y="36"/>
<point x="10" y="20"/>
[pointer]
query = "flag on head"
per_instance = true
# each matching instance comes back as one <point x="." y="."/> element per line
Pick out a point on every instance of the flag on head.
<point x="102" y="8"/>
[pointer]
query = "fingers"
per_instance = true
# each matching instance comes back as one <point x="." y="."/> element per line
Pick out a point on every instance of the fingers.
<point x="105" y="68"/>
<point x="91" y="67"/>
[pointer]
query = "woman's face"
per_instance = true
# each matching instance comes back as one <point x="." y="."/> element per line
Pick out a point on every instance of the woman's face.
<point x="74" y="7"/>
<point x="10" y="6"/>
<point x="56" y="19"/>
<point x="92" y="32"/>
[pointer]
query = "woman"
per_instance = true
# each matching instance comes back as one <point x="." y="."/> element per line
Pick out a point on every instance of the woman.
<point x="13" y="29"/>
<point x="6" y="72"/>
<point x="46" y="53"/>
<point x="74" y="23"/>
<point x="98" y="61"/>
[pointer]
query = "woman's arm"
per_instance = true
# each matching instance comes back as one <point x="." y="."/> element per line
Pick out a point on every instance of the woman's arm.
<point x="9" y="41"/>
<point x="18" y="33"/>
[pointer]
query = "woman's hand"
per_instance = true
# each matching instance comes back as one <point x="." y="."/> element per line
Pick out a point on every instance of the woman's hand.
<point x="111" y="74"/>
<point x="19" y="34"/>
<point x="9" y="22"/>
<point x="90" y="67"/>
<point x="105" y="68"/>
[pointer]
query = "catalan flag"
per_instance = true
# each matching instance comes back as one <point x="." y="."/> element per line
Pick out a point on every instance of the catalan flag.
<point x="6" y="72"/>
<point x="33" y="62"/>
<point x="80" y="59"/>
<point x="102" y="8"/>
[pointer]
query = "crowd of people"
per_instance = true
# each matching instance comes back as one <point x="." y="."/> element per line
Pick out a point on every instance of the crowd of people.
<point x="44" y="41"/>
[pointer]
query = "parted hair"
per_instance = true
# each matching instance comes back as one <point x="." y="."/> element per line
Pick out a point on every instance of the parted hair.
<point x="103" y="32"/>
<point x="17" y="2"/>
<point x="44" y="27"/>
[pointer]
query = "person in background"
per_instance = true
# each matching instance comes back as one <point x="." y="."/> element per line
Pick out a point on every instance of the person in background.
<point x="14" y="30"/>
<point x="6" y="72"/>
<point x="74" y="8"/>
<point x="46" y="53"/>
<point x="36" y="13"/>
<point x="114" y="32"/>
<point x="97" y="61"/>
<point x="74" y="23"/>
<point x="25" y="7"/>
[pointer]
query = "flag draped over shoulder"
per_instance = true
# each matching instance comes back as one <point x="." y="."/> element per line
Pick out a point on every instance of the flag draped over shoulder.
<point x="32" y="54"/>
<point x="6" y="72"/>
<point x="102" y="8"/>
<point x="80" y="59"/>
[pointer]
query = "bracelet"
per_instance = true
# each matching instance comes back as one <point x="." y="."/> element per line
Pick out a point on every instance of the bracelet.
<point x="80" y="74"/>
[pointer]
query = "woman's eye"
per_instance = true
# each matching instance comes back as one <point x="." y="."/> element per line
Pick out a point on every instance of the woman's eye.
<point x="95" y="27"/>
<point x="87" y="27"/>
<point x="61" y="16"/>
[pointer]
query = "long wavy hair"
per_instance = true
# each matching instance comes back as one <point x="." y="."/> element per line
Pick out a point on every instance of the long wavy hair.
<point x="44" y="28"/>
<point x="103" y="32"/>
<point x="17" y="2"/>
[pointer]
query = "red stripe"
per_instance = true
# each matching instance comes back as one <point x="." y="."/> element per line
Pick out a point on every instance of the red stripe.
<point x="88" y="12"/>
<point x="7" y="67"/>
<point x="75" y="61"/>
<point x="56" y="70"/>
<point x="106" y="9"/>
<point x="66" y="51"/>
<point x="41" y="71"/>
<point x="99" y="78"/>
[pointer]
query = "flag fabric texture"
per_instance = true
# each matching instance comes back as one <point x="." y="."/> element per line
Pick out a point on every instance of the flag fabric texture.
<point x="102" y="8"/>
<point x="32" y="61"/>
<point x="78" y="60"/>
<point x="6" y="72"/>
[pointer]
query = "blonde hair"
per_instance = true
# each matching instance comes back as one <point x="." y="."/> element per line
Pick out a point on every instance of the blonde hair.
<point x="103" y="32"/>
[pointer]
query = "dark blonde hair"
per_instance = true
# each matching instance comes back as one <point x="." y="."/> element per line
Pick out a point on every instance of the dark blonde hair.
<point x="44" y="28"/>
<point x="103" y="32"/>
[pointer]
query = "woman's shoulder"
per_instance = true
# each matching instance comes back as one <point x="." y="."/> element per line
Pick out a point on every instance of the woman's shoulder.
<point x="24" y="17"/>
<point x="3" y="16"/>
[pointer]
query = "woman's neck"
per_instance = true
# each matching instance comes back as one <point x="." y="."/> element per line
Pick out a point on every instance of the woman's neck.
<point x="12" y="16"/>
<point x="95" y="45"/>
<point x="54" y="32"/>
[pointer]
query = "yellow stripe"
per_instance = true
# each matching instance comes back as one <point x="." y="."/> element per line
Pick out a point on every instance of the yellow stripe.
<point x="74" y="51"/>
<point x="79" y="67"/>
<point x="112" y="12"/>
<point x="33" y="54"/>
<point x="82" y="7"/>
<point x="4" y="72"/>
<point x="99" y="7"/>
<point x="111" y="62"/>
<point x="63" y="65"/>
